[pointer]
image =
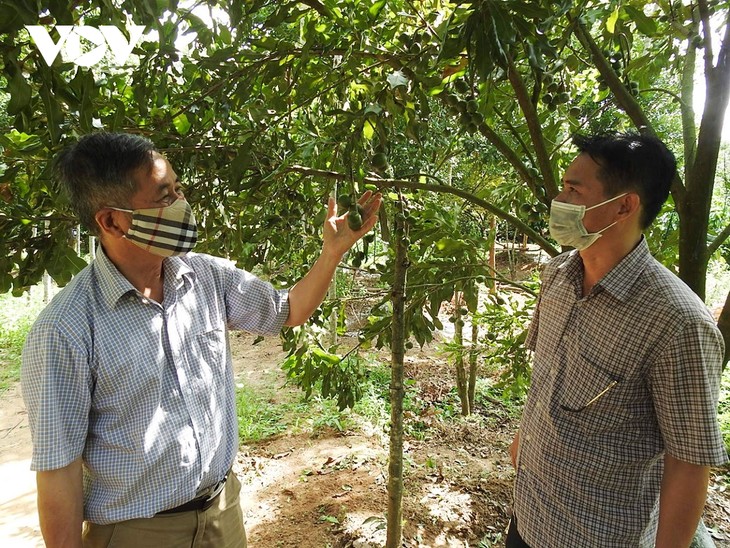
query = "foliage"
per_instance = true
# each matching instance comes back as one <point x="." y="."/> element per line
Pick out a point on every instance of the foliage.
<point x="17" y="314"/>
<point x="263" y="414"/>
<point x="337" y="377"/>
<point x="506" y="320"/>
<point x="274" y="106"/>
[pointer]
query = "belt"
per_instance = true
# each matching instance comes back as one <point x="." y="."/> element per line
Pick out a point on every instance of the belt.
<point x="199" y="503"/>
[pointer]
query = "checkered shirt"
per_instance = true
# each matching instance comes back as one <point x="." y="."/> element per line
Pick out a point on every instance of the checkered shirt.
<point x="144" y="393"/>
<point x="619" y="377"/>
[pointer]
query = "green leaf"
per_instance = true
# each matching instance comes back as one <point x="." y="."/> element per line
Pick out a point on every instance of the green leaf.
<point x="376" y="8"/>
<point x="644" y="24"/>
<point x="397" y="79"/>
<point x="54" y="114"/>
<point x="181" y="123"/>
<point x="368" y="130"/>
<point x="21" y="141"/>
<point x="20" y="93"/>
<point x="612" y="20"/>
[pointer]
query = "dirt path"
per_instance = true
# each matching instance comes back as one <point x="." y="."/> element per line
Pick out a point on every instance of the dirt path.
<point x="18" y="519"/>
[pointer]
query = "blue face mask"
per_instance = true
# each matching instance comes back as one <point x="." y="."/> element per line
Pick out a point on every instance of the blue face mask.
<point x="566" y="224"/>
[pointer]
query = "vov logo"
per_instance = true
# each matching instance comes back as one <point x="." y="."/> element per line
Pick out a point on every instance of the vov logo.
<point x="105" y="37"/>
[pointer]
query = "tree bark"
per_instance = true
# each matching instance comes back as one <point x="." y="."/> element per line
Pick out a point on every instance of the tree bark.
<point x="461" y="378"/>
<point x="395" y="464"/>
<point x="473" y="354"/>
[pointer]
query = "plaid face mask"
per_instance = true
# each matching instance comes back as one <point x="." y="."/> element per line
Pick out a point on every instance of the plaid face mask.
<point x="164" y="231"/>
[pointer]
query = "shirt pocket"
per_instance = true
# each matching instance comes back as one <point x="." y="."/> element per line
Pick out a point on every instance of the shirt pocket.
<point x="591" y="398"/>
<point x="211" y="348"/>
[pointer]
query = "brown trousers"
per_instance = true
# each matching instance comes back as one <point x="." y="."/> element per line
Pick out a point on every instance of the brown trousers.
<point x="220" y="526"/>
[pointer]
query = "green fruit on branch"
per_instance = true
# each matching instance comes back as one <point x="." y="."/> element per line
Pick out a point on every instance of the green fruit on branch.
<point x="379" y="161"/>
<point x="461" y="86"/>
<point x="354" y="220"/>
<point x="344" y="201"/>
<point x="472" y="105"/>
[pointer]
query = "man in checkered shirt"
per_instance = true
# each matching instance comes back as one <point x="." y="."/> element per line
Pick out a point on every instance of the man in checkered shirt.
<point x="620" y="427"/>
<point x="127" y="373"/>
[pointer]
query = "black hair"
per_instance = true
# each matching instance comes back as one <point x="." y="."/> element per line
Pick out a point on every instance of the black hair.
<point x="98" y="171"/>
<point x="632" y="162"/>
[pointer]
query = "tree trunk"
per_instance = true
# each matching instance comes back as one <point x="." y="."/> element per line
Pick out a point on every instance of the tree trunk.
<point x="491" y="283"/>
<point x="693" y="245"/>
<point x="473" y="364"/>
<point x="395" y="464"/>
<point x="461" y="379"/>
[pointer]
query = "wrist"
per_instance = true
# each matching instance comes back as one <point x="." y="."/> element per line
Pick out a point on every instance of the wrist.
<point x="330" y="255"/>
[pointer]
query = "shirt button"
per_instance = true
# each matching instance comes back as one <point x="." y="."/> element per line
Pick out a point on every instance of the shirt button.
<point x="528" y="437"/>
<point x="538" y="405"/>
<point x="552" y="371"/>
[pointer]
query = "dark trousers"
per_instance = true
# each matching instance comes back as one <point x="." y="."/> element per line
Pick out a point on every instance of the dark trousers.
<point x="514" y="540"/>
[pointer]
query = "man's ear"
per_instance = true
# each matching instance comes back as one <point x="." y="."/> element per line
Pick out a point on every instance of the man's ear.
<point x="108" y="221"/>
<point x="630" y="205"/>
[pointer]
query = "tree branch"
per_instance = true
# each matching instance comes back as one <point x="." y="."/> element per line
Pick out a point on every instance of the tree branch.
<point x="707" y="43"/>
<point x="442" y="188"/>
<point x="687" y="87"/>
<point x="718" y="241"/>
<point x="533" y="126"/>
<point x="625" y="100"/>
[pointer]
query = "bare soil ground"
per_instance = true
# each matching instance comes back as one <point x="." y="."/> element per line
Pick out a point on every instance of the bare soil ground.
<point x="328" y="488"/>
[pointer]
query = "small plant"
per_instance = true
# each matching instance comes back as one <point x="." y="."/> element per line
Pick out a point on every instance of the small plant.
<point x="257" y="418"/>
<point x="507" y="321"/>
<point x="490" y="540"/>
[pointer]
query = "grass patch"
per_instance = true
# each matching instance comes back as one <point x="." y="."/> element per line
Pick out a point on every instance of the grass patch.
<point x="267" y="412"/>
<point x="260" y="416"/>
<point x="17" y="315"/>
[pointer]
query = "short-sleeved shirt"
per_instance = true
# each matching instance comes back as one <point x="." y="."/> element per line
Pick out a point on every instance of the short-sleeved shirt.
<point x="620" y="376"/>
<point x="143" y="392"/>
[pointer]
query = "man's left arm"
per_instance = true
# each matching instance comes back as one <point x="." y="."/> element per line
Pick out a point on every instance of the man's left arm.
<point x="309" y="292"/>
<point x="684" y="381"/>
<point x="681" y="501"/>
